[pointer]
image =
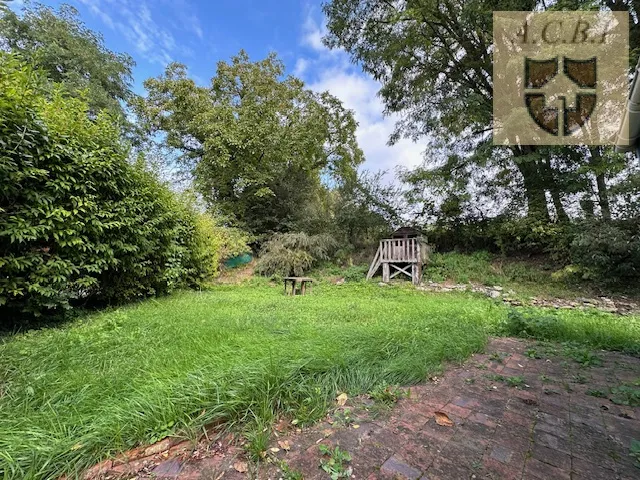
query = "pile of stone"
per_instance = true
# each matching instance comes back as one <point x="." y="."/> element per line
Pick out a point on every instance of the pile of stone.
<point x="620" y="305"/>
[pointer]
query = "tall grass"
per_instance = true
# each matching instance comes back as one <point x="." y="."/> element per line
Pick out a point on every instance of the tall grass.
<point x="74" y="395"/>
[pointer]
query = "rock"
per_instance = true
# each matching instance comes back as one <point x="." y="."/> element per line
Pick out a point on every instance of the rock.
<point x="498" y="288"/>
<point x="493" y="294"/>
<point x="382" y="284"/>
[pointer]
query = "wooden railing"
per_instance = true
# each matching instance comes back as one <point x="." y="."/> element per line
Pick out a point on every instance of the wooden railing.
<point x="400" y="250"/>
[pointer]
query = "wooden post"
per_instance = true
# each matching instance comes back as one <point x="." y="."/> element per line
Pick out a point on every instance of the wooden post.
<point x="385" y="272"/>
<point x="416" y="273"/>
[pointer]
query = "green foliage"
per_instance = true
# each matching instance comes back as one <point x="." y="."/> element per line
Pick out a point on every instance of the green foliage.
<point x="355" y="273"/>
<point x="579" y="329"/>
<point x="485" y="268"/>
<point x="516" y="381"/>
<point x="608" y="253"/>
<point x="628" y="395"/>
<point x="293" y="253"/>
<point x="256" y="143"/>
<point x="335" y="465"/>
<point x="634" y="451"/>
<point x="234" y="356"/>
<point x="386" y="395"/>
<point x="61" y="46"/>
<point x="230" y="355"/>
<point x="78" y="222"/>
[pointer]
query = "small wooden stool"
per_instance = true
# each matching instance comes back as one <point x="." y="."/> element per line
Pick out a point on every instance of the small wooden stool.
<point x="303" y="281"/>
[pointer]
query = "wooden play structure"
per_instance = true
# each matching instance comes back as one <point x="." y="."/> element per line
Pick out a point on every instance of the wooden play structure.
<point x="406" y="252"/>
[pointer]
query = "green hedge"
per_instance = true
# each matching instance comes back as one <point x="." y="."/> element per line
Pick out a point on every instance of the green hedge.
<point x="78" y="222"/>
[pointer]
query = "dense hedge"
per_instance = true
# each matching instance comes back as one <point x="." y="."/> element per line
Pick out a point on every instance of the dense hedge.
<point x="78" y="222"/>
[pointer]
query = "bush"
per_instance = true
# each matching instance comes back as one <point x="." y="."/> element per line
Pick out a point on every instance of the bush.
<point x="607" y="251"/>
<point x="293" y="253"/>
<point x="77" y="221"/>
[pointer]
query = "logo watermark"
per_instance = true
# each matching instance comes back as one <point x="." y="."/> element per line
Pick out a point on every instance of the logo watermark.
<point x="560" y="78"/>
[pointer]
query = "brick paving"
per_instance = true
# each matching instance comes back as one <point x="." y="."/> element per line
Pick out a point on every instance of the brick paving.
<point x="515" y="417"/>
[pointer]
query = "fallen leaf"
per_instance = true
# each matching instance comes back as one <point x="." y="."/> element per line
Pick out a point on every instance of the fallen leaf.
<point x="342" y="399"/>
<point x="241" y="467"/>
<point x="285" y="445"/>
<point x="327" y="432"/>
<point x="443" y="419"/>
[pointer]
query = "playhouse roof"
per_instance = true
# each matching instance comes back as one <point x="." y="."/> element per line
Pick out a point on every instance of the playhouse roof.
<point x="406" y="232"/>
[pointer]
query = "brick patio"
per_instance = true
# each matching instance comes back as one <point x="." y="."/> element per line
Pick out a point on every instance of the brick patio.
<point x="542" y="425"/>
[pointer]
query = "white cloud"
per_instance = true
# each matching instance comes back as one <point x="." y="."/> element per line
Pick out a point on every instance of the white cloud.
<point x="332" y="71"/>
<point x="313" y="33"/>
<point x="301" y="67"/>
<point x="136" y="22"/>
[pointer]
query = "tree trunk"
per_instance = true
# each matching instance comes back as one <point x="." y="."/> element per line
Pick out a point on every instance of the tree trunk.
<point x="603" y="196"/>
<point x="533" y="186"/>
<point x="598" y="170"/>
<point x="561" y="213"/>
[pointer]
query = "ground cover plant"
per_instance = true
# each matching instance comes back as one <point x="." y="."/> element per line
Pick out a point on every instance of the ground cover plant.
<point x="236" y="354"/>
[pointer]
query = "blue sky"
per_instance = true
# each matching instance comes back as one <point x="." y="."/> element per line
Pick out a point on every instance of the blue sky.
<point x="199" y="33"/>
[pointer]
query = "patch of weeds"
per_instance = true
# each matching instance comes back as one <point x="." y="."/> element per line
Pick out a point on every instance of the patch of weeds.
<point x="545" y="379"/>
<point x="161" y="431"/>
<point x="582" y="355"/>
<point x="386" y="395"/>
<point x="257" y="443"/>
<point x="496" y="378"/>
<point x="597" y="393"/>
<point x="532" y="353"/>
<point x="288" y="473"/>
<point x="579" y="378"/>
<point x="497" y="357"/>
<point x="335" y="465"/>
<point x="481" y="366"/>
<point x="515" y="382"/>
<point x="628" y="395"/>
<point x="343" y="417"/>
<point x="634" y="452"/>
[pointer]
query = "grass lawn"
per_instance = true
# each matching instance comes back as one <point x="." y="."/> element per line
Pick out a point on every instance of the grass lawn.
<point x="73" y="395"/>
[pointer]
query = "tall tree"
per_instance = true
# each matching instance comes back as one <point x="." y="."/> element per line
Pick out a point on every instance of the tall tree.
<point x="72" y="55"/>
<point x="258" y="144"/>
<point x="434" y="60"/>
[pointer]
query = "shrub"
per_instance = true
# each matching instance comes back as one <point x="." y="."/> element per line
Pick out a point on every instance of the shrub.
<point x="293" y="253"/>
<point x="78" y="222"/>
<point x="608" y="252"/>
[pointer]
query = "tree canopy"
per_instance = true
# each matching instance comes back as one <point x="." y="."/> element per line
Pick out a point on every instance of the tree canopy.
<point x="258" y="144"/>
<point x="434" y="61"/>
<point x="59" y="43"/>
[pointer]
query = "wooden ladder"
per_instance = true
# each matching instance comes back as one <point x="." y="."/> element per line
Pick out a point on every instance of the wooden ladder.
<point x="375" y="265"/>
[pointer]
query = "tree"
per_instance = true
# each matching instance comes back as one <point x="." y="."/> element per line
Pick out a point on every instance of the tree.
<point x="259" y="145"/>
<point x="433" y="58"/>
<point x="58" y="43"/>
